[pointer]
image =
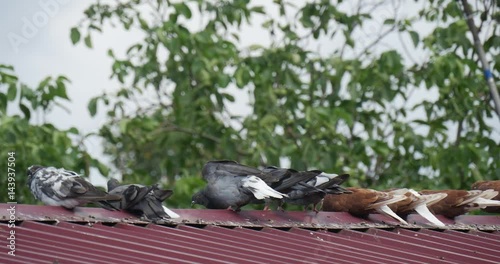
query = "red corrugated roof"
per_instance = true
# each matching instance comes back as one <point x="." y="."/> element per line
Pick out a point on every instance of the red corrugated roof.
<point x="47" y="234"/>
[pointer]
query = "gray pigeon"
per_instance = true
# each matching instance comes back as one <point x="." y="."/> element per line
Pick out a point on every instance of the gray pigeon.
<point x="60" y="187"/>
<point x="314" y="190"/>
<point x="142" y="200"/>
<point x="231" y="185"/>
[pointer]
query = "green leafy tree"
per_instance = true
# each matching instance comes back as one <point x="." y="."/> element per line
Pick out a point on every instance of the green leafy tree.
<point x="26" y="139"/>
<point x="351" y="108"/>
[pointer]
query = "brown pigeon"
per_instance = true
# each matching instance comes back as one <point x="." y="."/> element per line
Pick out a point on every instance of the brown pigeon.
<point x="485" y="185"/>
<point x="361" y="202"/>
<point x="459" y="202"/>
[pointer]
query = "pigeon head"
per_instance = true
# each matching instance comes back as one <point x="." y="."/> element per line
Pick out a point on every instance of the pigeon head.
<point x="200" y="198"/>
<point x="32" y="170"/>
<point x="113" y="183"/>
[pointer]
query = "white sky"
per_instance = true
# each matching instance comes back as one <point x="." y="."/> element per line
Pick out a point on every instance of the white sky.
<point x="48" y="52"/>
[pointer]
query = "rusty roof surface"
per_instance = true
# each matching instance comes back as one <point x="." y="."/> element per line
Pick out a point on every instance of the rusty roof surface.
<point x="46" y="234"/>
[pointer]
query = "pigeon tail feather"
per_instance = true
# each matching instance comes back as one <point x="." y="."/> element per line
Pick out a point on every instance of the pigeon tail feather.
<point x="472" y="195"/>
<point x="108" y="206"/>
<point x="260" y="189"/>
<point x="385" y="210"/>
<point x="482" y="202"/>
<point x="422" y="210"/>
<point x="430" y="199"/>
<point x="401" y="191"/>
<point x="170" y="213"/>
<point x="394" y="199"/>
<point x="489" y="194"/>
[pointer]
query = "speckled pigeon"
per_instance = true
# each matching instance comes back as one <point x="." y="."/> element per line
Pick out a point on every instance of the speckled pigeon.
<point x="142" y="200"/>
<point x="60" y="187"/>
<point x="231" y="185"/>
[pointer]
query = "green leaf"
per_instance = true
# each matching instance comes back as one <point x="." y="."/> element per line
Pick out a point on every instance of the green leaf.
<point x="414" y="37"/>
<point x="44" y="83"/>
<point x="3" y="103"/>
<point x="228" y="97"/>
<point x="389" y="21"/>
<point x="103" y="169"/>
<point x="88" y="41"/>
<point x="143" y="23"/>
<point x="73" y="130"/>
<point x="26" y="111"/>
<point x="183" y="9"/>
<point x="75" y="35"/>
<point x="92" y="106"/>
<point x="258" y="9"/>
<point x="12" y="92"/>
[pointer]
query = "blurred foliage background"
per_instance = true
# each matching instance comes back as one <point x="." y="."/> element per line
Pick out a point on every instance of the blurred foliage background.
<point x="350" y="109"/>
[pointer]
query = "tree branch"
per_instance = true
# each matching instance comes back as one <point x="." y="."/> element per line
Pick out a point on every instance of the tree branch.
<point x="482" y="56"/>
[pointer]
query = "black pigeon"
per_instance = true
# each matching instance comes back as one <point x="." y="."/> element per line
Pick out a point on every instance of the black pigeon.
<point x="314" y="190"/>
<point x="60" y="187"/>
<point x="231" y="185"/>
<point x="283" y="180"/>
<point x="142" y="200"/>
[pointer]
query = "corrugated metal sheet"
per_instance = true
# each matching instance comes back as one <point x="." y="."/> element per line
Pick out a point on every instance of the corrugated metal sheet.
<point x="97" y="236"/>
<point x="249" y="218"/>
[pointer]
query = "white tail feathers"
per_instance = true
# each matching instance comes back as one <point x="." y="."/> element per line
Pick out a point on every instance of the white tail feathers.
<point x="480" y="199"/>
<point x="420" y="202"/>
<point x="422" y="210"/>
<point x="384" y="209"/>
<point x="393" y="199"/>
<point x="471" y="197"/>
<point x="483" y="203"/>
<point x="488" y="194"/>
<point x="430" y="199"/>
<point x="170" y="212"/>
<point x="401" y="191"/>
<point x="324" y="178"/>
<point x="260" y="189"/>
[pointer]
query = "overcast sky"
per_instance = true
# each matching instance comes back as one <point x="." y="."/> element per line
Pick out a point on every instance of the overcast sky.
<point x="45" y="49"/>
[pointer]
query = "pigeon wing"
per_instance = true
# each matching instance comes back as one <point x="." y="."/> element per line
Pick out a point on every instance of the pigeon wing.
<point x="293" y="178"/>
<point x="214" y="169"/>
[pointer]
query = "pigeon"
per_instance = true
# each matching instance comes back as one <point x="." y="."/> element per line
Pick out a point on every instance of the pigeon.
<point x="142" y="200"/>
<point x="459" y="202"/>
<point x="231" y="185"/>
<point x="416" y="202"/>
<point x="313" y="191"/>
<point x="60" y="187"/>
<point x="362" y="202"/>
<point x="485" y="185"/>
<point x="283" y="180"/>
